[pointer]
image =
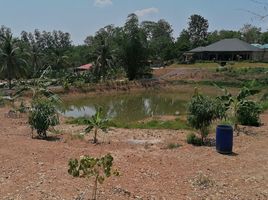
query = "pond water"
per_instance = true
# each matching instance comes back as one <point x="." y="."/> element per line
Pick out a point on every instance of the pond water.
<point x="130" y="106"/>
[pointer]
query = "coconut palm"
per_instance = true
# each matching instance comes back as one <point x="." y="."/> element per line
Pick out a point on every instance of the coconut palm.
<point x="12" y="63"/>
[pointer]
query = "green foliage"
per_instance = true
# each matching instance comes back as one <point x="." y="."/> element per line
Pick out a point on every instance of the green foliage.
<point x="198" y="30"/>
<point x="42" y="116"/>
<point x="134" y="52"/>
<point x="99" y="168"/>
<point x="39" y="88"/>
<point x="242" y="110"/>
<point x="152" y="124"/>
<point x="193" y="139"/>
<point x="264" y="105"/>
<point x="97" y="122"/>
<point x="202" y="112"/>
<point x="248" y="113"/>
<point x="22" y="108"/>
<point x="173" y="146"/>
<point x="12" y="64"/>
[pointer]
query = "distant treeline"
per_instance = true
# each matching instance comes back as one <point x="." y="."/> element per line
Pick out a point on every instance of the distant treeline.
<point x="131" y="48"/>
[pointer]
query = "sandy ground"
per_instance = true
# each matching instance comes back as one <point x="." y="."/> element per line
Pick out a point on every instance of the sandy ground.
<point x="34" y="169"/>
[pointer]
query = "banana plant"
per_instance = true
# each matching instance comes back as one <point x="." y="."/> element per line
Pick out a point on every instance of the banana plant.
<point x="39" y="88"/>
<point x="97" y="122"/>
<point x="236" y="103"/>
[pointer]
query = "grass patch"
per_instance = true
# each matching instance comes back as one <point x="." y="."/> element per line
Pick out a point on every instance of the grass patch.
<point x="77" y="137"/>
<point x="77" y="121"/>
<point x="173" y="146"/>
<point x="153" y="124"/>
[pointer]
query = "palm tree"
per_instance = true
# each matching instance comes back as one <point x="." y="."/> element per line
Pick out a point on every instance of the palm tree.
<point x="104" y="59"/>
<point x="59" y="60"/>
<point x="13" y="65"/>
<point x="35" y="54"/>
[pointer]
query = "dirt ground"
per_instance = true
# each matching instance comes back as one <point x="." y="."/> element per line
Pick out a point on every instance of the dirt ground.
<point x="33" y="169"/>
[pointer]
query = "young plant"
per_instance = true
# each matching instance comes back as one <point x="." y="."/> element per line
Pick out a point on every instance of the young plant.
<point x="242" y="110"/>
<point x="99" y="168"/>
<point x="42" y="116"/>
<point x="201" y="113"/>
<point x="97" y="122"/>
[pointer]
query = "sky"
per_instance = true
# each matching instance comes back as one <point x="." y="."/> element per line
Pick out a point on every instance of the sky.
<point x="84" y="17"/>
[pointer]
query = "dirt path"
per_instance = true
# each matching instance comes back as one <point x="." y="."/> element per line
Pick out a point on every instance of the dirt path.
<point x="34" y="169"/>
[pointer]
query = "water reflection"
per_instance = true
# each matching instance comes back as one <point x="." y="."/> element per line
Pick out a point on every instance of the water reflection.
<point x="127" y="107"/>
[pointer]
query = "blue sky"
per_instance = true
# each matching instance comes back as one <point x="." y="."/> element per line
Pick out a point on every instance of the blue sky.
<point x="84" y="17"/>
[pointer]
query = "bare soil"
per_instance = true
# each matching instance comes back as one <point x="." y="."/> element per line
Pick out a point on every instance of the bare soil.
<point x="33" y="169"/>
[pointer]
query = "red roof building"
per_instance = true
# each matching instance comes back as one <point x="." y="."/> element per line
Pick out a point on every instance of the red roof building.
<point x="85" y="67"/>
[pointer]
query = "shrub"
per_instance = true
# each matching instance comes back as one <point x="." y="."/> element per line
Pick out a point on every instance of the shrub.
<point x="43" y="115"/>
<point x="248" y="113"/>
<point x="193" y="139"/>
<point x="201" y="113"/>
<point x="99" y="168"/>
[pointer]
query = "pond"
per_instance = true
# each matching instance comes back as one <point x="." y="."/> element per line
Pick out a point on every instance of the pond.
<point x="128" y="107"/>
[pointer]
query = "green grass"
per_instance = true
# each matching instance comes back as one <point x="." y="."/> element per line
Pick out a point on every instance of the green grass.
<point x="153" y="124"/>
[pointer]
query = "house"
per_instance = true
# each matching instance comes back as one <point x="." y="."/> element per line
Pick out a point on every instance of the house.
<point x="83" y="68"/>
<point x="227" y="50"/>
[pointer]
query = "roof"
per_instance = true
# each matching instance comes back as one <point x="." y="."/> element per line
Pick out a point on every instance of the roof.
<point x="265" y="46"/>
<point x="198" y="49"/>
<point x="231" y="45"/>
<point x="85" y="67"/>
<point x="257" y="45"/>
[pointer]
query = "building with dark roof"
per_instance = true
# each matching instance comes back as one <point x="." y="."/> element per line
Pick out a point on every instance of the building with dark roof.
<point x="226" y="50"/>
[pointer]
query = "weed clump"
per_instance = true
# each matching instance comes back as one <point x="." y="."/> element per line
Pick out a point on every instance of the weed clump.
<point x="193" y="139"/>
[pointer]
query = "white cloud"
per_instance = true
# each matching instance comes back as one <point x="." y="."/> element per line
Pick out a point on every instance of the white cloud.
<point x="102" y="3"/>
<point x="146" y="11"/>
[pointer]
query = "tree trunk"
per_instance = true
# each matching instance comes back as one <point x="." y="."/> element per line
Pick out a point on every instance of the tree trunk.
<point x="94" y="194"/>
<point x="10" y="83"/>
<point x="95" y="140"/>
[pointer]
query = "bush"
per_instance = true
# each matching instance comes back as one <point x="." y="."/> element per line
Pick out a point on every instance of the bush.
<point x="43" y="115"/>
<point x="193" y="139"/>
<point x="248" y="113"/>
<point x="201" y="113"/>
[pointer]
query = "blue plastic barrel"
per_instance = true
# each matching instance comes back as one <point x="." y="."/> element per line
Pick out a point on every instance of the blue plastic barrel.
<point x="224" y="139"/>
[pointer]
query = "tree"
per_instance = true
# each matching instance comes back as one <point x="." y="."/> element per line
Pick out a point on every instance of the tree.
<point x="183" y="42"/>
<point x="251" y="34"/>
<point x="222" y="34"/>
<point x="264" y="37"/>
<point x="104" y="51"/>
<point x="12" y="64"/>
<point x="134" y="49"/>
<point x="228" y="34"/>
<point x="198" y="30"/>
<point x="50" y="48"/>
<point x="160" y="40"/>
<point x="99" y="168"/>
